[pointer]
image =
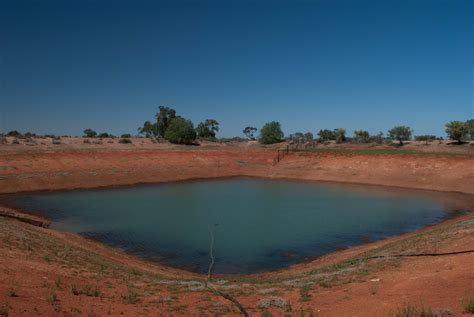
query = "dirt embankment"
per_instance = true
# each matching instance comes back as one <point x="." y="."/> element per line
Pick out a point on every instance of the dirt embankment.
<point x="54" y="170"/>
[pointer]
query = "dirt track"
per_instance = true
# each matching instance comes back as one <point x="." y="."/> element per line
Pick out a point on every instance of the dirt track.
<point x="38" y="263"/>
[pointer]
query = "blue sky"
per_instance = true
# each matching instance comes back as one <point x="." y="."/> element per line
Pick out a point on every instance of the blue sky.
<point x="108" y="65"/>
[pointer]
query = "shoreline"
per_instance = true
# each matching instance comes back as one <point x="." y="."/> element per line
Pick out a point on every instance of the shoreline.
<point x="24" y="215"/>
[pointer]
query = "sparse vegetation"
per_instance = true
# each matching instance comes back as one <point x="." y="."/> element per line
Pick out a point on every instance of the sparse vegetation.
<point x="131" y="296"/>
<point x="469" y="306"/>
<point x="87" y="290"/>
<point x="413" y="311"/>
<point x="5" y="310"/>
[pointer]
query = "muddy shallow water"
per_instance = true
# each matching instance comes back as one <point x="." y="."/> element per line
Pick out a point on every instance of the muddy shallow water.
<point x="253" y="225"/>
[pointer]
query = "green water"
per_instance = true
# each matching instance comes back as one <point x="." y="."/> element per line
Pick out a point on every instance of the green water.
<point x="258" y="224"/>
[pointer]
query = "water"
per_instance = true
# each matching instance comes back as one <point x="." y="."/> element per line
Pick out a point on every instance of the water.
<point x="258" y="224"/>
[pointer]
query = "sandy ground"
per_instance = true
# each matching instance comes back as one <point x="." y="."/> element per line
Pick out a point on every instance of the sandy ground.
<point x="44" y="272"/>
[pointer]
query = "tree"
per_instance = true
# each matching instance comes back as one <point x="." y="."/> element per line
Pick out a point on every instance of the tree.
<point x="149" y="129"/>
<point x="104" y="135"/>
<point x="297" y="137"/>
<point x="249" y="132"/>
<point x="208" y="128"/>
<point x="126" y="136"/>
<point x="326" y="135"/>
<point x="180" y="131"/>
<point x="90" y="133"/>
<point x="457" y="130"/>
<point x="308" y="137"/>
<point x="400" y="133"/>
<point x="271" y="133"/>
<point x="14" y="133"/>
<point x="361" y="136"/>
<point x="470" y="127"/>
<point x="340" y="135"/>
<point x="163" y="119"/>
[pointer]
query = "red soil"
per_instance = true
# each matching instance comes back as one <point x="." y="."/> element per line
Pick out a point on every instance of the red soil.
<point x="32" y="259"/>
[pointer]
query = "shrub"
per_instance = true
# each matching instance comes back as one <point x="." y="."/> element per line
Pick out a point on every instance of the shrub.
<point x="271" y="133"/>
<point x="180" y="131"/>
<point x="131" y="297"/>
<point x="104" y="135"/>
<point x="126" y="136"/>
<point x="425" y="137"/>
<point x="361" y="136"/>
<point x="340" y="135"/>
<point x="125" y="141"/>
<point x="87" y="290"/>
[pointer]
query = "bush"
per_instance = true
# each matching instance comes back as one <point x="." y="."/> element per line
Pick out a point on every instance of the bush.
<point x="104" y="135"/>
<point x="361" y="136"/>
<point x="180" y="131"/>
<point x="425" y="137"/>
<point x="271" y="133"/>
<point x="125" y="141"/>
<point x="126" y="136"/>
<point x="340" y="135"/>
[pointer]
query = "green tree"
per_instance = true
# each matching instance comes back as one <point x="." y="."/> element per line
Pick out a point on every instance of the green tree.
<point x="326" y="135"/>
<point x="271" y="133"/>
<point x="361" y="136"/>
<point x="340" y="135"/>
<point x="163" y="119"/>
<point x="208" y="128"/>
<point x="90" y="133"/>
<point x="126" y="136"/>
<point x="104" y="135"/>
<point x="149" y="129"/>
<point x="249" y="132"/>
<point x="180" y="131"/>
<point x="308" y="137"/>
<point x="457" y="130"/>
<point x="400" y="133"/>
<point x="470" y="127"/>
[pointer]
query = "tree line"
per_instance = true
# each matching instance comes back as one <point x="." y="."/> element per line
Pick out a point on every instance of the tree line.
<point x="177" y="129"/>
<point x="456" y="130"/>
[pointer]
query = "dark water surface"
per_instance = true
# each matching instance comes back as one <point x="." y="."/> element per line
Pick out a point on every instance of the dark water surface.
<point x="259" y="224"/>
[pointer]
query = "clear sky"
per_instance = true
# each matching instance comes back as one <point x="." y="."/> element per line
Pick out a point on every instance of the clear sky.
<point x="68" y="65"/>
